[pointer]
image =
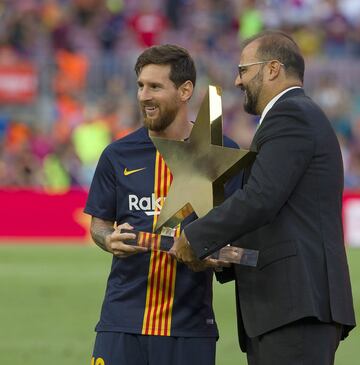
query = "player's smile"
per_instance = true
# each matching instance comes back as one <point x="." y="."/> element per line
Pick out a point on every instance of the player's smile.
<point x="151" y="110"/>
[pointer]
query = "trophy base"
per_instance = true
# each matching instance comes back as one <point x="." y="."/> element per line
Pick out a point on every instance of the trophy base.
<point x="230" y="254"/>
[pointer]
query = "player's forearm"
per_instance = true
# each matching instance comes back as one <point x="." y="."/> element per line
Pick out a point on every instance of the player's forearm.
<point x="100" y="230"/>
<point x="99" y="237"/>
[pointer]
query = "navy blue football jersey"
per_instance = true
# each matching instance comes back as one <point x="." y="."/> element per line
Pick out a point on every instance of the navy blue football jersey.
<point x="148" y="293"/>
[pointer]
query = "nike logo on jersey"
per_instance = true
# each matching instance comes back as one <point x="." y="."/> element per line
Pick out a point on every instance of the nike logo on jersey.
<point x="129" y="172"/>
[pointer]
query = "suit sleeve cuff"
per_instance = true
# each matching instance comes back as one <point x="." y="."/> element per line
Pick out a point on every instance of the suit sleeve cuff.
<point x="201" y="248"/>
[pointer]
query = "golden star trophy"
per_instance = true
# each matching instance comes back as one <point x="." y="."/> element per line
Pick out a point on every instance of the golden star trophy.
<point x="200" y="166"/>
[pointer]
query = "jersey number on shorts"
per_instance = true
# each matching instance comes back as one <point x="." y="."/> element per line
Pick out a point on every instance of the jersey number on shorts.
<point x="98" y="361"/>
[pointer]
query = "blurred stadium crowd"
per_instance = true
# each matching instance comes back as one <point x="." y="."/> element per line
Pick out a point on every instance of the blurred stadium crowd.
<point x="67" y="85"/>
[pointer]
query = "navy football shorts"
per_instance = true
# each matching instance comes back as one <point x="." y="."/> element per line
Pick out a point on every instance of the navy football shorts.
<point x="117" y="348"/>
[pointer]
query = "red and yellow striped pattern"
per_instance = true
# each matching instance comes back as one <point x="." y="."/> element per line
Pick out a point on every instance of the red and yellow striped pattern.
<point x="162" y="270"/>
<point x="150" y="240"/>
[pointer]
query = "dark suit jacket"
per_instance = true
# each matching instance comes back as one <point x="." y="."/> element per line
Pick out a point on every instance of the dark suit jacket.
<point x="290" y="210"/>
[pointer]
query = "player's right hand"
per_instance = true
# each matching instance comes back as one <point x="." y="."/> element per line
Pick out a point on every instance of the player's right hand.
<point x="115" y="242"/>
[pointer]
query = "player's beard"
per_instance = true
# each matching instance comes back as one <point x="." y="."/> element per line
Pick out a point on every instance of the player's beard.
<point x="166" y="115"/>
<point x="252" y="92"/>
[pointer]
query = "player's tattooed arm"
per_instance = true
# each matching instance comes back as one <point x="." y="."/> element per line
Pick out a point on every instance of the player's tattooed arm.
<point x="100" y="230"/>
<point x="112" y="239"/>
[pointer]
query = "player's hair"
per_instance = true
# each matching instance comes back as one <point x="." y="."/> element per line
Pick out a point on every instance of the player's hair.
<point x="277" y="45"/>
<point x="182" y="67"/>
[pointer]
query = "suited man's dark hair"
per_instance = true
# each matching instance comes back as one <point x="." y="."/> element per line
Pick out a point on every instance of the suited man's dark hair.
<point x="182" y="67"/>
<point x="277" y="45"/>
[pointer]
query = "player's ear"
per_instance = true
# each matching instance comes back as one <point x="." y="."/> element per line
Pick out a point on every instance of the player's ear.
<point x="186" y="90"/>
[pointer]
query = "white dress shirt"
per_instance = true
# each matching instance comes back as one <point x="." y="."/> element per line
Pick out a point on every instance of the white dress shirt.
<point x="271" y="103"/>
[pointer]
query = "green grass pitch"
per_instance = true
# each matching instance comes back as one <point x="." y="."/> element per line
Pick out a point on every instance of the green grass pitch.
<point x="51" y="296"/>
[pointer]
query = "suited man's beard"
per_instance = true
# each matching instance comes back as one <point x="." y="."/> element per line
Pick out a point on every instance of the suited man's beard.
<point x="161" y="120"/>
<point x="252" y="92"/>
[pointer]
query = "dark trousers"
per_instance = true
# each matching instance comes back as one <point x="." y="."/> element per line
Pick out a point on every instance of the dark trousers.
<point x="304" y="342"/>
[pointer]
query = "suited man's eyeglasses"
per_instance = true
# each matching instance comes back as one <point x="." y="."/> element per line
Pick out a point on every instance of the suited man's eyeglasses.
<point x="242" y="68"/>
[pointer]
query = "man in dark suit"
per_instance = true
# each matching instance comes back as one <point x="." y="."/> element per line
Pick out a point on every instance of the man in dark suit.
<point x="296" y="305"/>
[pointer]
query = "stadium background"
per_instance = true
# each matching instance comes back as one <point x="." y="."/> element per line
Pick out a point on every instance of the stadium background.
<point x="67" y="88"/>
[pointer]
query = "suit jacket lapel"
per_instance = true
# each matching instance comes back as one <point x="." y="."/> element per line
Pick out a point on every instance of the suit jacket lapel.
<point x="253" y="146"/>
<point x="291" y="93"/>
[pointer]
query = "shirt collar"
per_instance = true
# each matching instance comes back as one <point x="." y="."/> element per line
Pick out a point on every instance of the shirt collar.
<point x="273" y="101"/>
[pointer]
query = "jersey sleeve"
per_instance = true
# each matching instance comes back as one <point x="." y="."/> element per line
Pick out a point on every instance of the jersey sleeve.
<point x="101" y="202"/>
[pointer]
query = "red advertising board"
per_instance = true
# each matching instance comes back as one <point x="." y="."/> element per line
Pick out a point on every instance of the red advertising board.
<point x="351" y="217"/>
<point x="39" y="216"/>
<point x="18" y="83"/>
